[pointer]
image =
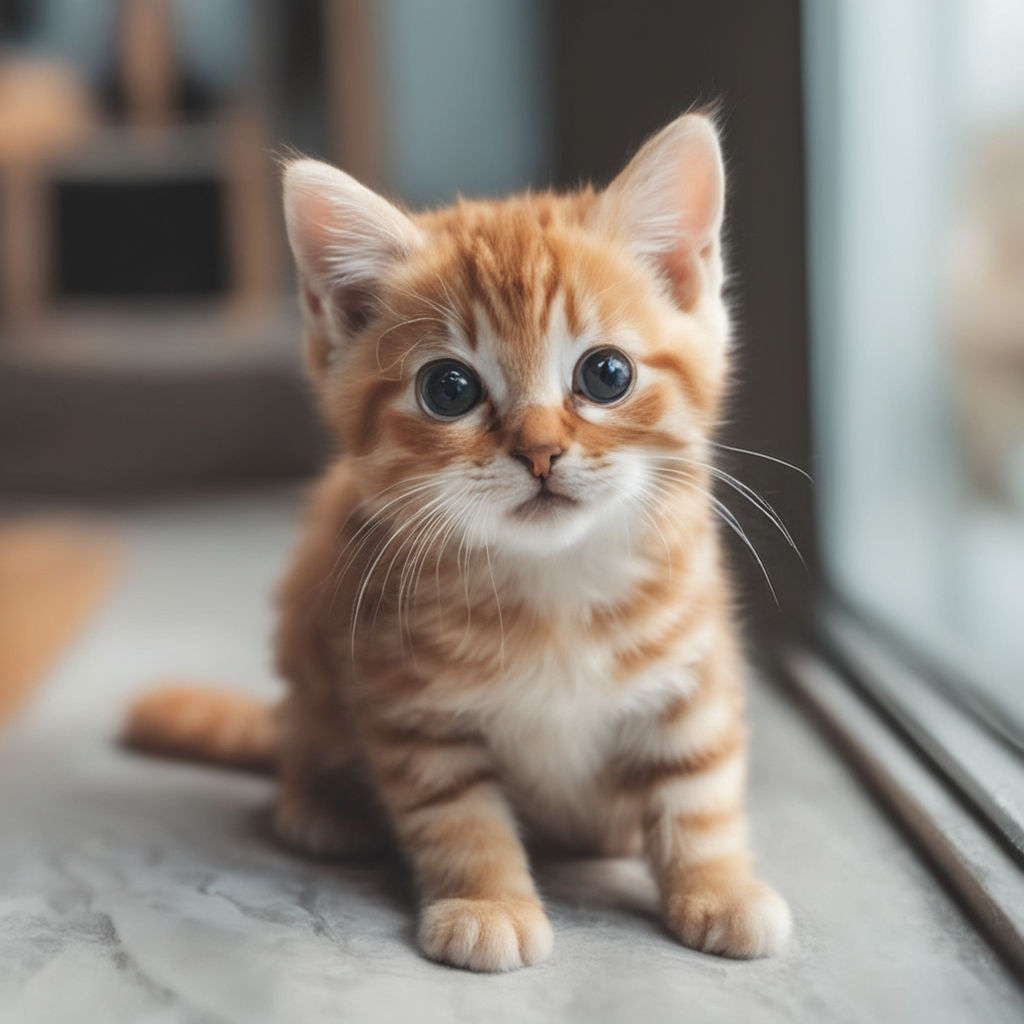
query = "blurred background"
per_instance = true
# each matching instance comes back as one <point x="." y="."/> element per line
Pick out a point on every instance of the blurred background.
<point x="149" y="333"/>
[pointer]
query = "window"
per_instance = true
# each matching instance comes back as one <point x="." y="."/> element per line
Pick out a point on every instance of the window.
<point x="917" y="263"/>
<point x="915" y="115"/>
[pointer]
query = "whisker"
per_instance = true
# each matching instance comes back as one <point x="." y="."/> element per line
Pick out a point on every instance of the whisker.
<point x="497" y="601"/>
<point x="368" y="573"/>
<point x="760" y="503"/>
<point x="462" y="559"/>
<point x="727" y="516"/>
<point x="440" y="533"/>
<point x="371" y="526"/>
<point x="770" y="458"/>
<point x="357" y="506"/>
<point x="661" y="488"/>
<point x="755" y="499"/>
<point x="453" y="525"/>
<point x="734" y="524"/>
<point x="409" y="580"/>
<point x="641" y="497"/>
<point x="424" y="513"/>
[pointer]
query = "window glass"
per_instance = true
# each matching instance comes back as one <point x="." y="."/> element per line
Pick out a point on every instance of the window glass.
<point x="916" y="149"/>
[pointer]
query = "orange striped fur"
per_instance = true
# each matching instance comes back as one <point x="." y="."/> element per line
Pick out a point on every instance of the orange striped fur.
<point x="204" y="725"/>
<point x="471" y="662"/>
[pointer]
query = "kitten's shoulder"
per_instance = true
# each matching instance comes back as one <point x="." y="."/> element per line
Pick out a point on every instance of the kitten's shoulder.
<point x="333" y="497"/>
<point x="305" y="593"/>
<point x="330" y="504"/>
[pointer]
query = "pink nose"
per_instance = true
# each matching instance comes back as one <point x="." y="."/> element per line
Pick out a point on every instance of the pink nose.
<point x="539" y="459"/>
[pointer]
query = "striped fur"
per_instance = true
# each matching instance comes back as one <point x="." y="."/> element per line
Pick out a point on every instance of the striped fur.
<point x="460" y="673"/>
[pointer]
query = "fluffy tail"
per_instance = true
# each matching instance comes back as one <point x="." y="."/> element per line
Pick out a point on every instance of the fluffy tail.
<point x="213" y="726"/>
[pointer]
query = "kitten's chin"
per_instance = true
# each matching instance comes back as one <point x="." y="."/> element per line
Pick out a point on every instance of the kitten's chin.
<point x="544" y="507"/>
<point x="544" y="524"/>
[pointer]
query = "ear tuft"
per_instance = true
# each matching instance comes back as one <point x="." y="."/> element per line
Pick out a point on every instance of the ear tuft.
<point x="668" y="204"/>
<point x="345" y="239"/>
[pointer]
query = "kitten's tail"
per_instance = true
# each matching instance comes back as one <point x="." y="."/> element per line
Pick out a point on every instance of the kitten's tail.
<point x="213" y="726"/>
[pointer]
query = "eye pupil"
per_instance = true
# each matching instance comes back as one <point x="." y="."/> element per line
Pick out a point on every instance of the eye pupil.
<point x="450" y="385"/>
<point x="604" y="375"/>
<point x="449" y="388"/>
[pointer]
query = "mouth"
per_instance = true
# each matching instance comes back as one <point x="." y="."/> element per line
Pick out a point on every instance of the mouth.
<point x="544" y="504"/>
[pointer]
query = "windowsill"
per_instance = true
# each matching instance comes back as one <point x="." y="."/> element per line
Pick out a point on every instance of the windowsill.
<point x="138" y="886"/>
<point x="967" y="849"/>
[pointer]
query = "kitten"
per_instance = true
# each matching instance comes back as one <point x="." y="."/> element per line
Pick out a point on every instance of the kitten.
<point x="508" y="614"/>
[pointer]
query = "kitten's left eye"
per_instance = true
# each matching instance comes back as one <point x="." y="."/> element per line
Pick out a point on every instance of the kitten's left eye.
<point x="449" y="388"/>
<point x="604" y="375"/>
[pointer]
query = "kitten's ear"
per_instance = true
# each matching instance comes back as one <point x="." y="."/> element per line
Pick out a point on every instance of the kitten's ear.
<point x="667" y="206"/>
<point x="345" y="239"/>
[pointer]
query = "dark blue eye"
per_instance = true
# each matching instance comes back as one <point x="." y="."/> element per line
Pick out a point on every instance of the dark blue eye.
<point x="604" y="375"/>
<point x="449" y="388"/>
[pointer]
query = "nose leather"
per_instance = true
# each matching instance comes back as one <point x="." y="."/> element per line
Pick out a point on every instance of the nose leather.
<point x="539" y="459"/>
<point x="538" y="439"/>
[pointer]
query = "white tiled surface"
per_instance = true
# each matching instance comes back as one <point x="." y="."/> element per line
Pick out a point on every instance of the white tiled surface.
<point x="134" y="890"/>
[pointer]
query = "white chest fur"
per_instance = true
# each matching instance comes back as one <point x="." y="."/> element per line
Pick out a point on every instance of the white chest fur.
<point x="559" y="713"/>
<point x="555" y="726"/>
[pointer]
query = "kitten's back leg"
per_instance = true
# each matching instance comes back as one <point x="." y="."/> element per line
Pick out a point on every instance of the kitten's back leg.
<point x="324" y="807"/>
<point x="314" y="824"/>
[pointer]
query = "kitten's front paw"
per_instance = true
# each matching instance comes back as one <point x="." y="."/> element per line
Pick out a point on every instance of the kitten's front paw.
<point x="485" y="935"/>
<point x="743" y="919"/>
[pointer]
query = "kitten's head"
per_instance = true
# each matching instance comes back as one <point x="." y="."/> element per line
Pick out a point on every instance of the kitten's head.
<point x="525" y="370"/>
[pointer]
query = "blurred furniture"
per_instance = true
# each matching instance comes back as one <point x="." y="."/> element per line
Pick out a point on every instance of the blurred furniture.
<point x="117" y="374"/>
<point x="44" y="111"/>
<point x="49" y="133"/>
<point x="161" y="400"/>
<point x="355" y="112"/>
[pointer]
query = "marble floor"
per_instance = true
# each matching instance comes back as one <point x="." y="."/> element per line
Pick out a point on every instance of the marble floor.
<point x="136" y="890"/>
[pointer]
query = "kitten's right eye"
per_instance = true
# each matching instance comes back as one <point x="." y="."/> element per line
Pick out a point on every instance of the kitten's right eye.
<point x="604" y="375"/>
<point x="449" y="389"/>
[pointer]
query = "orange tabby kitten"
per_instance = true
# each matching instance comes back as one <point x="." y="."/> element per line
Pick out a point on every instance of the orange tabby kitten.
<point x="508" y="615"/>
